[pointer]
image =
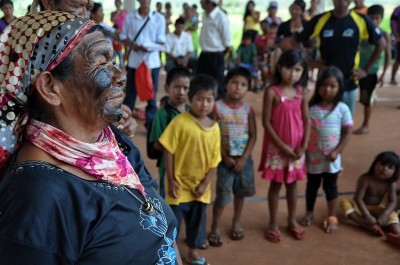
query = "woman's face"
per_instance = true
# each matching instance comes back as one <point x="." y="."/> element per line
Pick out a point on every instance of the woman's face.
<point x="95" y="89"/>
<point x="295" y="11"/>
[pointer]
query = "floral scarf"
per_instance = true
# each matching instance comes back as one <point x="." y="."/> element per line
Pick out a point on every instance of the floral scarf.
<point x="102" y="159"/>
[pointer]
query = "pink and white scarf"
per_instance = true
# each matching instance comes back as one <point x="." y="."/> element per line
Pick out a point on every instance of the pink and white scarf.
<point x="102" y="159"/>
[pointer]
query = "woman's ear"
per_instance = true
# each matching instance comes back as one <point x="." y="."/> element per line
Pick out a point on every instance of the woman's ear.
<point x="49" y="88"/>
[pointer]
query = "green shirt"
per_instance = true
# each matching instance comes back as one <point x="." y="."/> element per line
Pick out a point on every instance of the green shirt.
<point x="160" y="122"/>
<point x="247" y="53"/>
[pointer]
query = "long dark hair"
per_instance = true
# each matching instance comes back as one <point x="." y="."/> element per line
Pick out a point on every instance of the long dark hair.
<point x="331" y="71"/>
<point x="288" y="59"/>
<point x="247" y="11"/>
<point x="386" y="158"/>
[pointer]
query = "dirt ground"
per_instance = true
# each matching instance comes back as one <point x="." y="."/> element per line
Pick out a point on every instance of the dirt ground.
<point x="350" y="245"/>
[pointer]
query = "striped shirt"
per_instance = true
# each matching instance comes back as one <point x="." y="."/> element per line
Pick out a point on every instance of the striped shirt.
<point x="234" y="124"/>
<point x="326" y="127"/>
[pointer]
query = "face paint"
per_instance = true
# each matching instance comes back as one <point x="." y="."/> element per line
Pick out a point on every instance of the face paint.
<point x="97" y="80"/>
<point x="102" y="80"/>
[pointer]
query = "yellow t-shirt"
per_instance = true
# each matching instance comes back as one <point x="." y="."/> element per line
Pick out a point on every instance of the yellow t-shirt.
<point x="196" y="150"/>
<point x="251" y="24"/>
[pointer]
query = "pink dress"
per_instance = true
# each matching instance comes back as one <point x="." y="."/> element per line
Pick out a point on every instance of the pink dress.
<point x="287" y="121"/>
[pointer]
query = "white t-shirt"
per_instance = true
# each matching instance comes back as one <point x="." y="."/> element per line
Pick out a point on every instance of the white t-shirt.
<point x="152" y="38"/>
<point x="179" y="45"/>
<point x="215" y="35"/>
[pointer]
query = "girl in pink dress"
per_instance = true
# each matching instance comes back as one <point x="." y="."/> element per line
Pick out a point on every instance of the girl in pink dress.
<point x="286" y="124"/>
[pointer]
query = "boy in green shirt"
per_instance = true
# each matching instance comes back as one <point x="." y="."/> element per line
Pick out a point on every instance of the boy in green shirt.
<point x="369" y="82"/>
<point x="177" y="87"/>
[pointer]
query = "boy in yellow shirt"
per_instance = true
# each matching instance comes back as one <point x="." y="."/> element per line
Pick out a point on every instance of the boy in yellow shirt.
<point x="192" y="145"/>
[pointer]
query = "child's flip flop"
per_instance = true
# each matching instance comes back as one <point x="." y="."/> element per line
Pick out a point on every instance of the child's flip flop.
<point x="273" y="236"/>
<point x="297" y="232"/>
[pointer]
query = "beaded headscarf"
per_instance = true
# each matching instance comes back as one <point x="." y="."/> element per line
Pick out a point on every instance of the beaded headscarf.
<point x="28" y="46"/>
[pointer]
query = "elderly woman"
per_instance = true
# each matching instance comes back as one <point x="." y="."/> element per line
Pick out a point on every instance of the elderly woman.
<point x="75" y="189"/>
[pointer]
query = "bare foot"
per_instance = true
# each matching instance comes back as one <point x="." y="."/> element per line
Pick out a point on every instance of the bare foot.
<point x="361" y="130"/>
<point x="393" y="82"/>
<point x="307" y="219"/>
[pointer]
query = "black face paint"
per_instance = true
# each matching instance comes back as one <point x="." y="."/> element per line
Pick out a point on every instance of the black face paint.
<point x="102" y="81"/>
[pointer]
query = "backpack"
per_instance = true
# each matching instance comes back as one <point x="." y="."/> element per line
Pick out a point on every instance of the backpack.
<point x="152" y="152"/>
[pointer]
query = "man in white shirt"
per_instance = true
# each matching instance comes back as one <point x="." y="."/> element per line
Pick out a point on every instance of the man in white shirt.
<point x="145" y="40"/>
<point x="179" y="47"/>
<point x="215" y="41"/>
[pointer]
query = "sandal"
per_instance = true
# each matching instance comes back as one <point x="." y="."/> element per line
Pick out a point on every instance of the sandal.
<point x="297" y="232"/>
<point x="201" y="261"/>
<point x="237" y="234"/>
<point x="307" y="219"/>
<point x="214" y="240"/>
<point x="273" y="236"/>
<point x="204" y="245"/>
<point x="330" y="224"/>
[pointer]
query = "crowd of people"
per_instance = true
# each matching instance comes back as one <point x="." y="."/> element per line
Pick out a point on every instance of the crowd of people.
<point x="68" y="89"/>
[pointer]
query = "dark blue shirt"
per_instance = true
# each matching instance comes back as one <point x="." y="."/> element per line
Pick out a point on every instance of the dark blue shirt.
<point x="51" y="217"/>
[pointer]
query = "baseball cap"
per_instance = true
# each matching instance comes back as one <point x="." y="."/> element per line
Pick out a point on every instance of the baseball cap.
<point x="215" y="1"/>
<point x="273" y="4"/>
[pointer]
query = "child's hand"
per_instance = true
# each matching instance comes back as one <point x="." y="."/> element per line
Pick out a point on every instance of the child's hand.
<point x="299" y="152"/>
<point x="332" y="156"/>
<point x="371" y="220"/>
<point x="173" y="189"/>
<point x="382" y="219"/>
<point x="229" y="162"/>
<point x="199" y="191"/>
<point x="288" y="151"/>
<point x="240" y="162"/>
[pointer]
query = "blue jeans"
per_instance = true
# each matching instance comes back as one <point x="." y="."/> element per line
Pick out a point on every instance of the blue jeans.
<point x="349" y="98"/>
<point x="131" y="93"/>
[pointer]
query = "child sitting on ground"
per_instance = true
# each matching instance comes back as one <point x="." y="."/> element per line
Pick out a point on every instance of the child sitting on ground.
<point x="368" y="208"/>
<point x="192" y="143"/>
<point x="238" y="136"/>
<point x="177" y="87"/>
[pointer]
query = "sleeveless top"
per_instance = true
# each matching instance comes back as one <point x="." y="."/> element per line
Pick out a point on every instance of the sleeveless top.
<point x="234" y="125"/>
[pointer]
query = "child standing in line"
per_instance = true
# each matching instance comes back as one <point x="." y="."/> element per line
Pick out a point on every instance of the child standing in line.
<point x="368" y="83"/>
<point x="286" y="124"/>
<point x="192" y="143"/>
<point x="331" y="124"/>
<point x="238" y="135"/>
<point x="367" y="209"/>
<point x="177" y="87"/>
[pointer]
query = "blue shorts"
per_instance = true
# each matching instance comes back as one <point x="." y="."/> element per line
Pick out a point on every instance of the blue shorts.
<point x="241" y="184"/>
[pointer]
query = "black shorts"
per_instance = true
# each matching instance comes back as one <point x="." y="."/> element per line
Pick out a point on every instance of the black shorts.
<point x="367" y="87"/>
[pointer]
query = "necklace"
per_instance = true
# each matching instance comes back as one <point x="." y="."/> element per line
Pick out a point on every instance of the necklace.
<point x="146" y="206"/>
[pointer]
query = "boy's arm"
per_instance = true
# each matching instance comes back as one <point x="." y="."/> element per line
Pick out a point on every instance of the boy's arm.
<point x="361" y="191"/>
<point x="388" y="54"/>
<point x="173" y="186"/>
<point x="379" y="46"/>
<point x="391" y="205"/>
<point x="250" y="144"/>
<point x="226" y="159"/>
<point x="201" y="188"/>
